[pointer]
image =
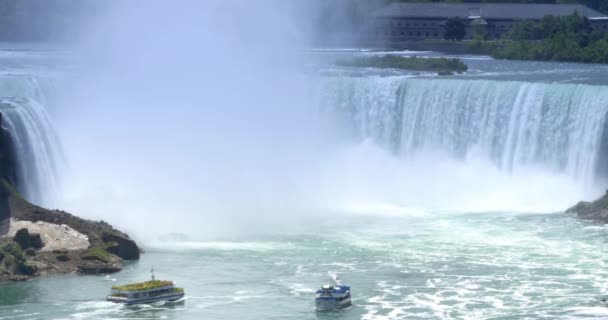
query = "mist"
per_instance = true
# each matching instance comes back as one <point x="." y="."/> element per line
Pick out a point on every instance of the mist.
<point x="189" y="117"/>
<point x="200" y="118"/>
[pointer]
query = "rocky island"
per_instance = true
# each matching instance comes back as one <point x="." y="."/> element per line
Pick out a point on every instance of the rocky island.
<point x="35" y="241"/>
<point x="442" y="66"/>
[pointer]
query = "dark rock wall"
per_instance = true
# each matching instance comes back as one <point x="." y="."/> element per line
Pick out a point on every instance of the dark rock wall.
<point x="8" y="174"/>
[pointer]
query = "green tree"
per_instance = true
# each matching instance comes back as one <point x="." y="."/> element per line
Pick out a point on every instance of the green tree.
<point x="455" y="29"/>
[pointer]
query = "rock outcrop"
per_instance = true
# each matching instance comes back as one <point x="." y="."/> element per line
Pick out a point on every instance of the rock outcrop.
<point x="121" y="245"/>
<point x="54" y="236"/>
<point x="596" y="210"/>
<point x="42" y="242"/>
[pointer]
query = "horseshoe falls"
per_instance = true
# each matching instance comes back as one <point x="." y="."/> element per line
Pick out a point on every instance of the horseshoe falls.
<point x="513" y="124"/>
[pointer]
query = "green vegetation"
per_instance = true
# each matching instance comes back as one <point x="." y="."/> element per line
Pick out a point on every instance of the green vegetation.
<point x="442" y="65"/>
<point x="455" y="29"/>
<point x="27" y="268"/>
<point x="99" y="254"/>
<point x="14" y="259"/>
<point x="141" y="286"/>
<point x="9" y="262"/>
<point x="12" y="249"/>
<point x="27" y="240"/>
<point x="11" y="189"/>
<point x="600" y="5"/>
<point x="568" y="39"/>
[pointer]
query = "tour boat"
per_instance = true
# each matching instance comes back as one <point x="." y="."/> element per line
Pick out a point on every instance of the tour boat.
<point x="146" y="292"/>
<point x="333" y="297"/>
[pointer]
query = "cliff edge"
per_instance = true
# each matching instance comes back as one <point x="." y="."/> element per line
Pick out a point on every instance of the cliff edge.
<point x="596" y="210"/>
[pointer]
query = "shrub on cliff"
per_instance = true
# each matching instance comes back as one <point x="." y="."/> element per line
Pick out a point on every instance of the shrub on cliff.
<point x="99" y="254"/>
<point x="12" y="249"/>
<point x="27" y="268"/>
<point x="27" y="240"/>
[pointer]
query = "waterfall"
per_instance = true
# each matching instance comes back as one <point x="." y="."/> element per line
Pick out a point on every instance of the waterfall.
<point x="512" y="124"/>
<point x="23" y="103"/>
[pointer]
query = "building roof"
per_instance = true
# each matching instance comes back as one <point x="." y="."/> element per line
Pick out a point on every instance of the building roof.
<point x="485" y="10"/>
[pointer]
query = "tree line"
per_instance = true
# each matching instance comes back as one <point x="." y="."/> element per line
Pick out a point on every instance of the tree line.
<point x="600" y="5"/>
<point x="570" y="38"/>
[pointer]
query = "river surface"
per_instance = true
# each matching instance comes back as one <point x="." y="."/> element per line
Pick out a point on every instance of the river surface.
<point x="493" y="245"/>
<point x="426" y="266"/>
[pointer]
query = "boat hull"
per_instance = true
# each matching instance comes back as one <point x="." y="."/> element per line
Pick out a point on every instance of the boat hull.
<point x="130" y="301"/>
<point x="324" y="304"/>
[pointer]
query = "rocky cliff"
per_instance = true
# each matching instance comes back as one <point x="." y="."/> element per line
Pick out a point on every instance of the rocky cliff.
<point x="41" y="241"/>
<point x="596" y="210"/>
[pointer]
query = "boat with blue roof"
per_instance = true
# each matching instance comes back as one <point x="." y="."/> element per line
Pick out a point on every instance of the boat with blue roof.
<point x="333" y="297"/>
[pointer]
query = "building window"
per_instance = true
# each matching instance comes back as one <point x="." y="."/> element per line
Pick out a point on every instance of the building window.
<point x="436" y="34"/>
<point x="424" y="24"/>
<point x="418" y="33"/>
<point x="411" y="34"/>
<point x="427" y="34"/>
<point x="402" y="33"/>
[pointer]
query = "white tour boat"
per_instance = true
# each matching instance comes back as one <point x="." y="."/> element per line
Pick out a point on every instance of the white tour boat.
<point x="146" y="292"/>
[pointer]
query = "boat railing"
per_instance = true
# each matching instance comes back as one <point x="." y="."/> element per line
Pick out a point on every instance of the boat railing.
<point x="118" y="291"/>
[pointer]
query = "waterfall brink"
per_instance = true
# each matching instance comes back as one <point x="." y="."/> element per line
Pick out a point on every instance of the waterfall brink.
<point x="22" y="102"/>
<point x="512" y="124"/>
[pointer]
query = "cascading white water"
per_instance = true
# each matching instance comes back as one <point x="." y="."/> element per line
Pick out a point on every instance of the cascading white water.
<point x="22" y="102"/>
<point x="512" y="124"/>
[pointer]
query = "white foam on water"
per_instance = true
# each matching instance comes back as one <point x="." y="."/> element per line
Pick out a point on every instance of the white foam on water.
<point x="219" y="245"/>
<point x="298" y="289"/>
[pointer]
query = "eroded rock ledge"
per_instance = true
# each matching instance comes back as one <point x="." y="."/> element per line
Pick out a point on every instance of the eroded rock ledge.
<point x="596" y="210"/>
<point x="40" y="241"/>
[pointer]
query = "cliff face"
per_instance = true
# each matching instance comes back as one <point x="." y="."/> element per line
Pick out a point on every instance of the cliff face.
<point x="37" y="241"/>
<point x="8" y="172"/>
<point x="596" y="210"/>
